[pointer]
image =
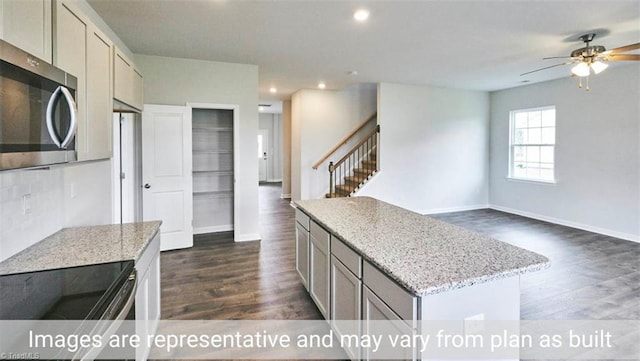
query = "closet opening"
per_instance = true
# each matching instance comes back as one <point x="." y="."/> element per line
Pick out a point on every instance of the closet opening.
<point x="213" y="147"/>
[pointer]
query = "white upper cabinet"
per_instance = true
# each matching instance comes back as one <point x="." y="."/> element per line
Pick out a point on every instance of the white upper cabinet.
<point x="80" y="49"/>
<point x="99" y="95"/>
<point x="127" y="81"/>
<point x="27" y="25"/>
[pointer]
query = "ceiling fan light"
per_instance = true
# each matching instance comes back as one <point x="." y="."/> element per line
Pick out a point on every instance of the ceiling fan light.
<point x="598" y="66"/>
<point x="582" y="69"/>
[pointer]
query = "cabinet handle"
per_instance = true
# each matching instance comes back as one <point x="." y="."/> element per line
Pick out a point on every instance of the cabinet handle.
<point x="147" y="186"/>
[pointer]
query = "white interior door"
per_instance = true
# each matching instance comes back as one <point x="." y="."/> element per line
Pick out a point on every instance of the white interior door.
<point x="263" y="156"/>
<point x="166" y="173"/>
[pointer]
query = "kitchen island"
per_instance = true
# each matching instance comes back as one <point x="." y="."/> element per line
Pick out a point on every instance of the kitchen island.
<point x="364" y="259"/>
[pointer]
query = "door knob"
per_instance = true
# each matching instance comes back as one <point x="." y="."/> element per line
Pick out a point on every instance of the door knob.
<point x="147" y="186"/>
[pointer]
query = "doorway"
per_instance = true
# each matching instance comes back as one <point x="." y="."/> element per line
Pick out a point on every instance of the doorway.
<point x="214" y="152"/>
<point x="127" y="168"/>
<point x="263" y="155"/>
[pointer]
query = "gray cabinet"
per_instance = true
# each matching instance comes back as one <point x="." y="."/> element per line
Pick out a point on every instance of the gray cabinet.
<point x="319" y="268"/>
<point x="375" y="309"/>
<point x="302" y="254"/>
<point x="27" y="25"/>
<point x="346" y="303"/>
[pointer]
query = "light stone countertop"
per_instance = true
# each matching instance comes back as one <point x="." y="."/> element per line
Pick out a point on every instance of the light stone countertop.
<point x="81" y="246"/>
<point x="424" y="255"/>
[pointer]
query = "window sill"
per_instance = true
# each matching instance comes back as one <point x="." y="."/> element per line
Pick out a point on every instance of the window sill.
<point x="529" y="180"/>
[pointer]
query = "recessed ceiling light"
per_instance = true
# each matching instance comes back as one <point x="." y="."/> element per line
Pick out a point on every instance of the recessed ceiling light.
<point x="352" y="72"/>
<point x="273" y="90"/>
<point x="322" y="85"/>
<point x="361" y="15"/>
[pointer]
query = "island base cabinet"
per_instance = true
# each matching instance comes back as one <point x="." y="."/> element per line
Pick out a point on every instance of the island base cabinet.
<point x="302" y="254"/>
<point x="374" y="309"/>
<point x="147" y="302"/>
<point x="319" y="268"/>
<point x="346" y="304"/>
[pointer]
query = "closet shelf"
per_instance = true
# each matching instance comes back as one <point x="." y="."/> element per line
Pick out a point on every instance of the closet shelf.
<point x="212" y="151"/>
<point x="215" y="194"/>
<point x="217" y="172"/>
<point x="225" y="129"/>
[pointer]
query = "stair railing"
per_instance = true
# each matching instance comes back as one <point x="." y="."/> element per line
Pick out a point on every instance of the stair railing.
<point x="343" y="141"/>
<point x="358" y="162"/>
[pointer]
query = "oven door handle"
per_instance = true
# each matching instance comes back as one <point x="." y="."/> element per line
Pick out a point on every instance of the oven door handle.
<point x="109" y="323"/>
<point x="73" y="122"/>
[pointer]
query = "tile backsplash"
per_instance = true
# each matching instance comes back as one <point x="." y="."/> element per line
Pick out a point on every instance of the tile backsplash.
<point x="31" y="207"/>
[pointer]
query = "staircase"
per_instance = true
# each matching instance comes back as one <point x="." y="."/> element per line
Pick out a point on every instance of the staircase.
<point x="358" y="165"/>
<point x="346" y="185"/>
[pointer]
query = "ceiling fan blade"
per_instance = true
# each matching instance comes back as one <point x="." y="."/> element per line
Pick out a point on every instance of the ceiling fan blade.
<point x="624" y="49"/>
<point x="546" y="67"/>
<point x="616" y="57"/>
<point x="558" y="57"/>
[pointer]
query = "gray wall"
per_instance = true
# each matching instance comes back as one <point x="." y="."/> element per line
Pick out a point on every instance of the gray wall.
<point x="597" y="161"/>
<point x="175" y="81"/>
<point x="434" y="147"/>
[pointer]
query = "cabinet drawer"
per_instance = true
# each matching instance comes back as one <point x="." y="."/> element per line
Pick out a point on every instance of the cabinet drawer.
<point x="319" y="236"/>
<point x="302" y="218"/>
<point x="347" y="256"/>
<point x="397" y="298"/>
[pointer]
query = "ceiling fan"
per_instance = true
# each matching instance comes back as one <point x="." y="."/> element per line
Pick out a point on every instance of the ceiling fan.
<point x="592" y="58"/>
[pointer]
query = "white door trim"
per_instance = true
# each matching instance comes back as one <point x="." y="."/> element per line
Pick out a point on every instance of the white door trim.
<point x="236" y="150"/>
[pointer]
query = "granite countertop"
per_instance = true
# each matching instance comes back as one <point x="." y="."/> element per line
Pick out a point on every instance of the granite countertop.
<point x="424" y="255"/>
<point x="81" y="246"/>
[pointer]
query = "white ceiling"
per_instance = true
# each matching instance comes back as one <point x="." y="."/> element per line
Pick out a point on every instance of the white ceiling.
<point x="476" y="45"/>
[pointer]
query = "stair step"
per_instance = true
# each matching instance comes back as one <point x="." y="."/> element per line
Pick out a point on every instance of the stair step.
<point x="345" y="188"/>
<point x="364" y="171"/>
<point x="355" y="180"/>
<point x="369" y="163"/>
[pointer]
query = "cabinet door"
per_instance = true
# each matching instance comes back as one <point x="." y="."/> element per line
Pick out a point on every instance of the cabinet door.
<point x="71" y="56"/>
<point x="122" y="78"/>
<point x="302" y="254"/>
<point x="319" y="269"/>
<point x="137" y="88"/>
<point x="98" y="142"/>
<point x="148" y="294"/>
<point x="346" y="310"/>
<point x="373" y="309"/>
<point x="27" y="25"/>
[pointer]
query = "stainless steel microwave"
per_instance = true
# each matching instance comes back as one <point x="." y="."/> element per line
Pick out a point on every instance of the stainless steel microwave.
<point x="37" y="111"/>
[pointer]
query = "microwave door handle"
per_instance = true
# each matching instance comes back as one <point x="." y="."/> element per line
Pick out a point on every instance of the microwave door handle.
<point x="73" y="126"/>
<point x="49" y="117"/>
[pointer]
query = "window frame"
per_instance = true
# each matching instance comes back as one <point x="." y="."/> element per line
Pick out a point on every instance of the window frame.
<point x="512" y="145"/>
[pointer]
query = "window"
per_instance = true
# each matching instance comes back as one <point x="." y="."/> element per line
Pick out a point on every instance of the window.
<point x="532" y="144"/>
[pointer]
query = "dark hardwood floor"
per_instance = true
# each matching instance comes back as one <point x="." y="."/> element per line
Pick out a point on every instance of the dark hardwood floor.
<point x="592" y="276"/>
<point x="220" y="279"/>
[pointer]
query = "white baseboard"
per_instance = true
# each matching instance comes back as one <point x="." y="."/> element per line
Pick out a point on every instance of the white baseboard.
<point x="572" y="224"/>
<point x="454" y="209"/>
<point x="213" y="229"/>
<point x="247" y="237"/>
<point x="285" y="196"/>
